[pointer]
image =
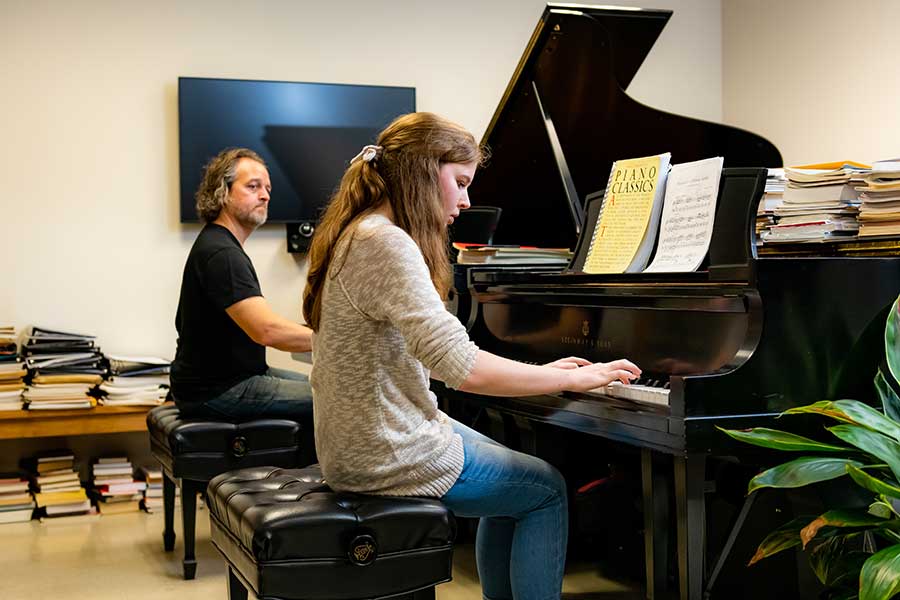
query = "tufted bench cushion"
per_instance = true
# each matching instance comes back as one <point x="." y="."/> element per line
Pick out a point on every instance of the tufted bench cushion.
<point x="193" y="451"/>
<point x="200" y="449"/>
<point x="288" y="535"/>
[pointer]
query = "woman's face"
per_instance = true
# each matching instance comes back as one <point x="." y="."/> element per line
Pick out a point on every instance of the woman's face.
<point x="455" y="179"/>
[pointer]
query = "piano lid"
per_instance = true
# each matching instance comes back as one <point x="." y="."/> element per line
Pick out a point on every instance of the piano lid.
<point x="565" y="118"/>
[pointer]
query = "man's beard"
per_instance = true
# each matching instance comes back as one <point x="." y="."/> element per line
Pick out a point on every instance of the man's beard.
<point x="253" y="218"/>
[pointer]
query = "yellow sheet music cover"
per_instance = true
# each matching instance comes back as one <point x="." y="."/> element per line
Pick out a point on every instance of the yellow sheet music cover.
<point x="625" y="232"/>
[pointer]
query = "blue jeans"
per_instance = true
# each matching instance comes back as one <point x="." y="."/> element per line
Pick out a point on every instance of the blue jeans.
<point x="279" y="394"/>
<point x="520" y="546"/>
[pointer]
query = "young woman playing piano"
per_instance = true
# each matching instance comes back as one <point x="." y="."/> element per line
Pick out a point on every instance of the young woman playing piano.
<point x="378" y="274"/>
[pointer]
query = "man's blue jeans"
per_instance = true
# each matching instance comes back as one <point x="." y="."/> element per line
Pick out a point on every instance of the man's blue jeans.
<point x="279" y="394"/>
<point x="520" y="546"/>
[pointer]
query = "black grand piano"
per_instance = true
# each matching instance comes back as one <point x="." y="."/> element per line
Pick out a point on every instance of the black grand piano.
<point x="730" y="345"/>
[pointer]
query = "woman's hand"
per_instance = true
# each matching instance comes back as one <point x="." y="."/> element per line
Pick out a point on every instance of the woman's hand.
<point x="595" y="375"/>
<point x="493" y="375"/>
<point x="570" y="362"/>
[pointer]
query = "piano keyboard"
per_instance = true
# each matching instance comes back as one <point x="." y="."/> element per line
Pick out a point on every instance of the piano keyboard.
<point x="641" y="390"/>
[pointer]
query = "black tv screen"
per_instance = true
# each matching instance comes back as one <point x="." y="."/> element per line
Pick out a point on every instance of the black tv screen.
<point x="306" y="132"/>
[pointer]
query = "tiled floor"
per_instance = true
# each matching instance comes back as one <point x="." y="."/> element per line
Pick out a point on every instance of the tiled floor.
<point x="120" y="557"/>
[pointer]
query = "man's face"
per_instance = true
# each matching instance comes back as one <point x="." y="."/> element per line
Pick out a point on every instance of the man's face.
<point x="248" y="199"/>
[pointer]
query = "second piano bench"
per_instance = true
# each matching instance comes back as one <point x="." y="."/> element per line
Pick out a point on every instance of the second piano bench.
<point x="287" y="535"/>
<point x="193" y="451"/>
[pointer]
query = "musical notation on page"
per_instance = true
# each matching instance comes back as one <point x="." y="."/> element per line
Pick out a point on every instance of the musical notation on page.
<point x="688" y="215"/>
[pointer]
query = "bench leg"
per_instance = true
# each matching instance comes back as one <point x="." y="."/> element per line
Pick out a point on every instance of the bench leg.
<point x="189" y="490"/>
<point x="168" y="513"/>
<point x="236" y="589"/>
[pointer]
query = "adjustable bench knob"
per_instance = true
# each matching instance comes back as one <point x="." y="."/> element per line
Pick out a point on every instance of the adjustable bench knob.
<point x="363" y="550"/>
<point x="239" y="446"/>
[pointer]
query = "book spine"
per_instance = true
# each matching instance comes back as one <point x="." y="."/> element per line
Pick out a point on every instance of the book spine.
<point x="602" y="208"/>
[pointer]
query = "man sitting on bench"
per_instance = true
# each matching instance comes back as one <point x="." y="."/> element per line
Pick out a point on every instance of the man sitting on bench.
<point x="224" y="324"/>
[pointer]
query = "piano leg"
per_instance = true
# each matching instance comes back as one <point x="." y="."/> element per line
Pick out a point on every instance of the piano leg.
<point x="656" y="525"/>
<point x="690" y="475"/>
<point x="729" y="543"/>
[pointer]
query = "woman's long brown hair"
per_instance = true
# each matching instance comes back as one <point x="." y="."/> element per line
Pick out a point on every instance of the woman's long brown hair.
<point x="405" y="173"/>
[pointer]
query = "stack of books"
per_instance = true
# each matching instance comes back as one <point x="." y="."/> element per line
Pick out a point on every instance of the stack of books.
<point x="65" y="367"/>
<point x="16" y="501"/>
<point x="477" y="254"/>
<point x="12" y="371"/>
<point x="135" y="381"/>
<point x="9" y="349"/>
<point x="114" y="486"/>
<point x="879" y="213"/>
<point x="57" y="487"/>
<point x="153" y="494"/>
<point x="820" y="203"/>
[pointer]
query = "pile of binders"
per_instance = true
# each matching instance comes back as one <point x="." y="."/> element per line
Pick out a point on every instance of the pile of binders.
<point x="64" y="367"/>
<point x="135" y="381"/>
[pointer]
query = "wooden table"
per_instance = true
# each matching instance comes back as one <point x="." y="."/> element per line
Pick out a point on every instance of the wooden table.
<point x="17" y="424"/>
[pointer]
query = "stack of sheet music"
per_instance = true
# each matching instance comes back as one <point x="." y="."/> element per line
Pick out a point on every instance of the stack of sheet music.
<point x="135" y="381"/>
<point x="12" y="371"/>
<point x="820" y="203"/>
<point x="475" y="254"/>
<point x="65" y="367"/>
<point x="772" y="199"/>
<point x="879" y="213"/>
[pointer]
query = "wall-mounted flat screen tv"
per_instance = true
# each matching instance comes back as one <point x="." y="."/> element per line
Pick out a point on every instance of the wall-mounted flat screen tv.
<point x="306" y="132"/>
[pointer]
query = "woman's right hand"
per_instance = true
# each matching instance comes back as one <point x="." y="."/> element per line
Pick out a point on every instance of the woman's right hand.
<point x="595" y="375"/>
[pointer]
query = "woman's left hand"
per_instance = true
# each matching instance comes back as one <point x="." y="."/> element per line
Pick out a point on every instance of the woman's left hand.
<point x="570" y="362"/>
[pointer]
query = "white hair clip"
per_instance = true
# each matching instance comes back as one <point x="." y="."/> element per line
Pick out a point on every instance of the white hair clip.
<point x="368" y="154"/>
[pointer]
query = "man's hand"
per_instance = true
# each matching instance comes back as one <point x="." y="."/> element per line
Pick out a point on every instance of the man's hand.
<point x="267" y="328"/>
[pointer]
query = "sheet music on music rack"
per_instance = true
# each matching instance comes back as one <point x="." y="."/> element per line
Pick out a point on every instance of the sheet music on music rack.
<point x="688" y="215"/>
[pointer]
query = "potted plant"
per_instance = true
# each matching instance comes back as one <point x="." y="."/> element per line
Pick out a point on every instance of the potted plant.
<point x="854" y="552"/>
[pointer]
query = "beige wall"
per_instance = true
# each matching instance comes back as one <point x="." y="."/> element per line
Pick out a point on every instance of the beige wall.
<point x="91" y="239"/>
<point x="819" y="78"/>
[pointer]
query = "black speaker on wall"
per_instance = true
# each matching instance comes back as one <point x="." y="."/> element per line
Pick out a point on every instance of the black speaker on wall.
<point x="299" y="235"/>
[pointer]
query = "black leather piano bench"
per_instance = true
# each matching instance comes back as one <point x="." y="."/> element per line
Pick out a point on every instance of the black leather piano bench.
<point x="287" y="536"/>
<point x="193" y="451"/>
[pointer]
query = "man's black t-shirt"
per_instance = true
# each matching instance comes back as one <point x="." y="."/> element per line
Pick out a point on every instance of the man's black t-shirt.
<point x="213" y="352"/>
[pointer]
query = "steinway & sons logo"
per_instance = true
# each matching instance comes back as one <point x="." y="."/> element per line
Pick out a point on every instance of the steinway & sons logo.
<point x="585" y="341"/>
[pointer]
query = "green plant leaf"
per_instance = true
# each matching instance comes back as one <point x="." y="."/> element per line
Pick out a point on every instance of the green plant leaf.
<point x="881" y="509"/>
<point x="840" y="518"/>
<point x="800" y="472"/>
<point x="892" y="340"/>
<point x="823" y="407"/>
<point x="786" y="536"/>
<point x="853" y="412"/>
<point x="871" y="442"/>
<point x="836" y="564"/>
<point x="826" y="554"/>
<point x="873" y="484"/>
<point x="880" y="576"/>
<point x="890" y="402"/>
<point x="781" y="440"/>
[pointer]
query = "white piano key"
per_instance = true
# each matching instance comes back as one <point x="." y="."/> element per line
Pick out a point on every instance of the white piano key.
<point x="640" y="393"/>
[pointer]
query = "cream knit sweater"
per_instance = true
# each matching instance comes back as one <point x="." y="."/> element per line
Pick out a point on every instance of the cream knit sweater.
<point x="384" y="332"/>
